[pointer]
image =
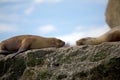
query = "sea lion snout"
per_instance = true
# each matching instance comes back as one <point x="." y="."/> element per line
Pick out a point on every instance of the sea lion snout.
<point x="80" y="42"/>
<point x="86" y="41"/>
<point x="60" y="43"/>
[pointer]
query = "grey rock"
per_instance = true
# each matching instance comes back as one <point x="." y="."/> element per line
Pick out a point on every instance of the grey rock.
<point x="113" y="13"/>
<point x="87" y="62"/>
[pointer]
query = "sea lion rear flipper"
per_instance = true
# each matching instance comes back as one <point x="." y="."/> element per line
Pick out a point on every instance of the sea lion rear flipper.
<point x="5" y="52"/>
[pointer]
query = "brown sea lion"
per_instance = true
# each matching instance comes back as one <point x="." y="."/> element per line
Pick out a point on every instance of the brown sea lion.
<point x="22" y="43"/>
<point x="110" y="36"/>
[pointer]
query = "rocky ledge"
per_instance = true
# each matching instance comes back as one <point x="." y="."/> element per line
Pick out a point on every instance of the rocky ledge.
<point x="88" y="62"/>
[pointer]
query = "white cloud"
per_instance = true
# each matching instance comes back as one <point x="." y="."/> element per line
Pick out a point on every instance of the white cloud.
<point x="81" y="32"/>
<point x="71" y="38"/>
<point x="46" y="29"/>
<point x="29" y="10"/>
<point x="92" y="31"/>
<point x="7" y="28"/>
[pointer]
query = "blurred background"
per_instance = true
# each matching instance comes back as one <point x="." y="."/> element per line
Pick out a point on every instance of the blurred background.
<point x="68" y="20"/>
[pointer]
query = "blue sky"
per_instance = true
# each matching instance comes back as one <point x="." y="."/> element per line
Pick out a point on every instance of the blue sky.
<point x="68" y="20"/>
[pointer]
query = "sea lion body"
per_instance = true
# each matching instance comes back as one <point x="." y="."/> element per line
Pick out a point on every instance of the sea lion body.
<point x="110" y="36"/>
<point x="22" y="43"/>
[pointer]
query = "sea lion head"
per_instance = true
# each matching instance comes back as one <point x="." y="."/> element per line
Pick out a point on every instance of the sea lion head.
<point x="86" y="41"/>
<point x="57" y="42"/>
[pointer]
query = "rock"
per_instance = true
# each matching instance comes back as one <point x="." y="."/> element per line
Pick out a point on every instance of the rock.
<point x="113" y="13"/>
<point x="88" y="62"/>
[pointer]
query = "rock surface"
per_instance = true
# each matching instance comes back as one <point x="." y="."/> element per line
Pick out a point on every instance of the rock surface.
<point x="88" y="62"/>
<point x="113" y="13"/>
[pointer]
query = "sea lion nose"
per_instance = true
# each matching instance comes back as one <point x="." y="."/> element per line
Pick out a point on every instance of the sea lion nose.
<point x="79" y="43"/>
<point x="62" y="44"/>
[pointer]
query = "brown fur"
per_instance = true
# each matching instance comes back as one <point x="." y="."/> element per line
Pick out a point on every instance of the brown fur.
<point x="110" y="36"/>
<point x="22" y="43"/>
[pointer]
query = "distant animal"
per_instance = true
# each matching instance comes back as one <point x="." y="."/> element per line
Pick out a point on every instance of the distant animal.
<point x="22" y="43"/>
<point x="110" y="36"/>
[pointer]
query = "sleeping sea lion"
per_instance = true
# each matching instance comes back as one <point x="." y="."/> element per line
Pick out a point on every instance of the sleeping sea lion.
<point x="110" y="36"/>
<point x="22" y="43"/>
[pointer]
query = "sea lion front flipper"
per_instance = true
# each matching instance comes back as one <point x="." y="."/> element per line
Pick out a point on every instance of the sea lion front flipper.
<point x="24" y="46"/>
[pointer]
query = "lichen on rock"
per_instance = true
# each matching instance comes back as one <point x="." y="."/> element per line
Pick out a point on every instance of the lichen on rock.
<point x="87" y="62"/>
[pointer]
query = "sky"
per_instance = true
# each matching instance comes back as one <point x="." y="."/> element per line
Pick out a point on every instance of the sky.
<point x="68" y="20"/>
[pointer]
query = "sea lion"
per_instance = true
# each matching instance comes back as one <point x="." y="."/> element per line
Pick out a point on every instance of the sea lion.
<point x="110" y="36"/>
<point x="22" y="43"/>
